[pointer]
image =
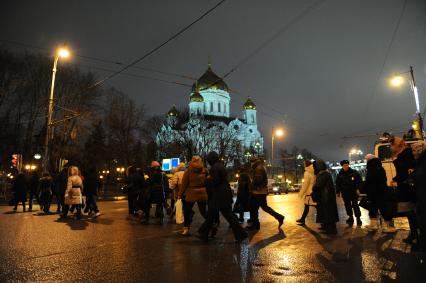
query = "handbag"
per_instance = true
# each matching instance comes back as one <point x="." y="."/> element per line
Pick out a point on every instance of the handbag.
<point x="179" y="211"/>
<point x="365" y="203"/>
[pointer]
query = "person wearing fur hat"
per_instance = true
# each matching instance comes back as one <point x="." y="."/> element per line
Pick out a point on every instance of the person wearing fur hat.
<point x="259" y="192"/>
<point x="348" y="182"/>
<point x="193" y="190"/>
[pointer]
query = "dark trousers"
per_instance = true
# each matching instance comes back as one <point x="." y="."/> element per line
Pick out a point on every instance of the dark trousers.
<point x="188" y="213"/>
<point x="412" y="222"/>
<point x="257" y="201"/>
<point x="59" y="196"/>
<point x="66" y="208"/>
<point x="211" y="220"/>
<point x="351" y="205"/>
<point x="91" y="204"/>
<point x="305" y="213"/>
<point x="45" y="200"/>
<point x="33" y="194"/>
<point x="132" y="199"/>
<point x="16" y="205"/>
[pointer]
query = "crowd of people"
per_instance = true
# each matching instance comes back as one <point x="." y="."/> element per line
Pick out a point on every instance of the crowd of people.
<point x="209" y="188"/>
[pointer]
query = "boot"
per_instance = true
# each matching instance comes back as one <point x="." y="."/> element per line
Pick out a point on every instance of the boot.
<point x="350" y="221"/>
<point x="358" y="222"/>
<point x="373" y="226"/>
<point x="280" y="221"/>
<point x="185" y="231"/>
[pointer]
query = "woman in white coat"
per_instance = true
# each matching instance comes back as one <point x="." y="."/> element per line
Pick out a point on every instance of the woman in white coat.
<point x="306" y="190"/>
<point x="73" y="194"/>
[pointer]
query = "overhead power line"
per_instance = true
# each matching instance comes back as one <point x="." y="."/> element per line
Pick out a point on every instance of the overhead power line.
<point x="152" y="51"/>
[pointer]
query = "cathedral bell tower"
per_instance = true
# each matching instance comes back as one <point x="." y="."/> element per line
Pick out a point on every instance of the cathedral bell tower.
<point x="249" y="112"/>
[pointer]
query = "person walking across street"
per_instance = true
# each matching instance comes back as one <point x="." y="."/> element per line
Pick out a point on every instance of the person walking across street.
<point x="324" y="194"/>
<point x="19" y="190"/>
<point x="348" y="183"/>
<point x="243" y="194"/>
<point x="258" y="194"/>
<point x="60" y="187"/>
<point x="220" y="200"/>
<point x="175" y="184"/>
<point x="306" y="190"/>
<point x="46" y="191"/>
<point x="73" y="194"/>
<point x="193" y="190"/>
<point x="157" y="186"/>
<point x="91" y="185"/>
<point x="134" y="186"/>
<point x="33" y="186"/>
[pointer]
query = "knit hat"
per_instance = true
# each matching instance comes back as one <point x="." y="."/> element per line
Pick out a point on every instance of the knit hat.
<point x="370" y="156"/>
<point x="155" y="164"/>
<point x="343" y="162"/>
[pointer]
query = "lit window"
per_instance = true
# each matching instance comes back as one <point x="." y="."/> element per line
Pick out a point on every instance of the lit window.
<point x="218" y="107"/>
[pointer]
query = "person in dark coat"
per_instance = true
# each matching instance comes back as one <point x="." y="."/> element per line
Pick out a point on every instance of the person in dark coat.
<point x="33" y="186"/>
<point x="134" y="185"/>
<point x="91" y="185"/>
<point x="419" y="151"/>
<point x="258" y="194"/>
<point x="220" y="199"/>
<point x="324" y="194"/>
<point x="60" y="187"/>
<point x="19" y="189"/>
<point x="243" y="194"/>
<point x="404" y="163"/>
<point x="157" y="186"/>
<point x="375" y="186"/>
<point x="348" y="182"/>
<point x="46" y="191"/>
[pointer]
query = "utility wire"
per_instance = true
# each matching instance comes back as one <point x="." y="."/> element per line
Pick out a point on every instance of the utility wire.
<point x="152" y="51"/>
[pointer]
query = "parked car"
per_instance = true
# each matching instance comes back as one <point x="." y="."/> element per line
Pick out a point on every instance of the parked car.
<point x="277" y="188"/>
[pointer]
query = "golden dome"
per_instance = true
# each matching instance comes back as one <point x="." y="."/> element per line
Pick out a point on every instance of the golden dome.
<point x="249" y="104"/>
<point x="209" y="80"/>
<point x="173" y="112"/>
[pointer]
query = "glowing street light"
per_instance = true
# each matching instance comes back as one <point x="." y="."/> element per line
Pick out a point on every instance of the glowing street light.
<point x="275" y="133"/>
<point x="61" y="52"/>
<point x="396" y="81"/>
<point x="354" y="151"/>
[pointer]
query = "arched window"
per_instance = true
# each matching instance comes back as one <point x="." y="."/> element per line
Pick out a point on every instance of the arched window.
<point x="252" y="118"/>
<point x="211" y="106"/>
<point x="224" y="108"/>
<point x="218" y="106"/>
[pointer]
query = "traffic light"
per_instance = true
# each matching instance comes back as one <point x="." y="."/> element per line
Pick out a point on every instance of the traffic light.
<point x="15" y="160"/>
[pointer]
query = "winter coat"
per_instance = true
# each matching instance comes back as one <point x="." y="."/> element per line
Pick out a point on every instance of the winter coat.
<point x="375" y="185"/>
<point x="218" y="189"/>
<point x="46" y="185"/>
<point x="135" y="183"/>
<point x="243" y="193"/>
<point x="308" y="183"/>
<point x="19" y="188"/>
<point x="348" y="182"/>
<point x="157" y="186"/>
<point x="61" y="181"/>
<point x="33" y="183"/>
<point x="194" y="183"/>
<point x="420" y="184"/>
<point x="73" y="194"/>
<point x="259" y="180"/>
<point x="325" y="195"/>
<point x="175" y="182"/>
<point x="91" y="184"/>
<point x="404" y="163"/>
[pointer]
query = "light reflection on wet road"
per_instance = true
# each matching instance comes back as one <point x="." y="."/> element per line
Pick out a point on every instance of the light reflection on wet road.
<point x="110" y="248"/>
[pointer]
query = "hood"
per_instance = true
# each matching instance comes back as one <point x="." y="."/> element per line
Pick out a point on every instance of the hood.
<point x="196" y="166"/>
<point x="374" y="163"/>
<point x="310" y="169"/>
<point x="212" y="158"/>
<point x="319" y="165"/>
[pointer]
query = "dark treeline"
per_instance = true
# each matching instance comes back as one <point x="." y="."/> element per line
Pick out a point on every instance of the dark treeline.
<point x="101" y="126"/>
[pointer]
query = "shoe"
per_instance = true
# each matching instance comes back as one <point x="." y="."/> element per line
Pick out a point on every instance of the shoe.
<point x="358" y="222"/>
<point x="386" y="228"/>
<point x="185" y="231"/>
<point x="350" y="221"/>
<point x="280" y="221"/>
<point x="301" y="221"/>
<point x="96" y="214"/>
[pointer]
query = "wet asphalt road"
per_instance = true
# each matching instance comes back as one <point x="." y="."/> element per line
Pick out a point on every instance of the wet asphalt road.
<point x="111" y="248"/>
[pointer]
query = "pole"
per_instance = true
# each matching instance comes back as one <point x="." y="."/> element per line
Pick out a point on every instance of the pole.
<point x="272" y="152"/>
<point x="416" y="97"/>
<point x="49" y="116"/>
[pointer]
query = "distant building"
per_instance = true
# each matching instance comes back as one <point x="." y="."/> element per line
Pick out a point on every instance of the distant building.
<point x="209" y="126"/>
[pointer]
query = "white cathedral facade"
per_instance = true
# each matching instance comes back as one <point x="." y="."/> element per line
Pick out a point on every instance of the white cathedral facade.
<point x="209" y="126"/>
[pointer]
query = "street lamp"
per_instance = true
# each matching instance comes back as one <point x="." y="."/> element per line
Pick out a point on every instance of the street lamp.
<point x="60" y="53"/>
<point x="354" y="151"/>
<point x="275" y="133"/>
<point x="257" y="146"/>
<point x="397" y="80"/>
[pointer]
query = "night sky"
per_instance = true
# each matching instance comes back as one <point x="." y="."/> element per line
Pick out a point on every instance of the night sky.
<point x="323" y="78"/>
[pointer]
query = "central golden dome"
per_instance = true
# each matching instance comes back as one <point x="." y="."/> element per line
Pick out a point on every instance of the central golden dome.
<point x="209" y="80"/>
